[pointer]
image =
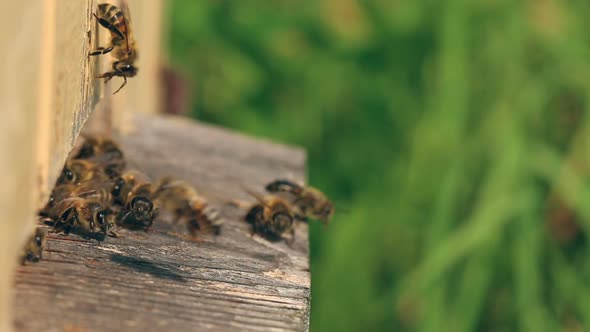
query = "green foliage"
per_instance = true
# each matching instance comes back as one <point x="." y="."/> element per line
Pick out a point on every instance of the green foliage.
<point x="451" y="134"/>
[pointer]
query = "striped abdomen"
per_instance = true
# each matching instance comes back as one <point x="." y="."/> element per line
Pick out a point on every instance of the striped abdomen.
<point x="115" y="17"/>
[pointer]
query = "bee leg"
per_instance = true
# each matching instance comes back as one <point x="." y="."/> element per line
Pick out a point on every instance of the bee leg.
<point x="55" y="230"/>
<point x="75" y="221"/>
<point x="252" y="230"/>
<point x="101" y="50"/>
<point x="122" y="85"/>
<point x="107" y="75"/>
<point x="195" y="238"/>
<point x="291" y="240"/>
<point x="154" y="215"/>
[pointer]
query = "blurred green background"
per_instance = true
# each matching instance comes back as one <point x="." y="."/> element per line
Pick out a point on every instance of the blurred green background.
<point x="452" y="135"/>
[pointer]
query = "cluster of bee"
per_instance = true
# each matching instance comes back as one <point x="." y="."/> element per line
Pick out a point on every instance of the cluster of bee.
<point x="275" y="215"/>
<point x="95" y="194"/>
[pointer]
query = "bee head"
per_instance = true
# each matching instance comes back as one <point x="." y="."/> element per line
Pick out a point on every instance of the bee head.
<point x="104" y="220"/>
<point x="282" y="221"/>
<point x="33" y="256"/>
<point x="126" y="69"/>
<point x="34" y="251"/>
<point x="87" y="150"/>
<point x="112" y="149"/>
<point x="141" y="207"/>
<point x="67" y="176"/>
<point x="325" y="212"/>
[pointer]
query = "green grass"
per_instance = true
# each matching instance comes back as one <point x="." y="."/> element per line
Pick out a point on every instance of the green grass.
<point x="452" y="134"/>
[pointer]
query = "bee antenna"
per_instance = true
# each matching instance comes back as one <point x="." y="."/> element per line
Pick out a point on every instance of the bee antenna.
<point x="126" y="215"/>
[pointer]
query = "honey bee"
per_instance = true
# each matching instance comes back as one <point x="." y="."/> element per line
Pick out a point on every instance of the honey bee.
<point x="94" y="146"/>
<point x="33" y="249"/>
<point x="80" y="170"/>
<point x="123" y="47"/>
<point x="185" y="204"/>
<point x="134" y="192"/>
<point x="83" y="216"/>
<point x="271" y="217"/>
<point x="309" y="201"/>
<point x="104" y="152"/>
<point x="97" y="190"/>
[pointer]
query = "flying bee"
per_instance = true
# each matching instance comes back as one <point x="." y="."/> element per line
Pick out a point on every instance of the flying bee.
<point x="84" y="216"/>
<point x="103" y="151"/>
<point x="80" y="170"/>
<point x="33" y="249"/>
<point x="271" y="217"/>
<point x="308" y="201"/>
<point x="134" y="192"/>
<point x="123" y="47"/>
<point x="185" y="204"/>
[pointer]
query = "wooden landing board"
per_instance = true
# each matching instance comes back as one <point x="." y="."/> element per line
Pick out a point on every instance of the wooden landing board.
<point x="160" y="282"/>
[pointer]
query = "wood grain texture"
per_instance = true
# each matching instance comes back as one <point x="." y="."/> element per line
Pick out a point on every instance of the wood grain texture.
<point x="20" y="64"/>
<point x="143" y="93"/>
<point x="159" y="281"/>
<point x="69" y="89"/>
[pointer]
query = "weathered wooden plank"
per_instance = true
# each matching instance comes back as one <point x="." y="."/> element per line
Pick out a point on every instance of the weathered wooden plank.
<point x="157" y="281"/>
<point x="19" y="90"/>
<point x="144" y="92"/>
<point x="69" y="89"/>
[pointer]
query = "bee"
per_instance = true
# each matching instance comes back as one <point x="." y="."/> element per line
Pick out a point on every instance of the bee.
<point x="134" y="192"/>
<point x="103" y="151"/>
<point x="185" y="204"/>
<point x="80" y="170"/>
<point x="97" y="190"/>
<point x="123" y="47"/>
<point x="95" y="146"/>
<point x="33" y="249"/>
<point x="309" y="201"/>
<point x="271" y="217"/>
<point x="84" y="216"/>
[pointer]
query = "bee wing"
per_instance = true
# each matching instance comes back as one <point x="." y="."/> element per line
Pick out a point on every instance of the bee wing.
<point x="127" y="21"/>
<point x="258" y="197"/>
<point x="284" y="185"/>
<point x="166" y="183"/>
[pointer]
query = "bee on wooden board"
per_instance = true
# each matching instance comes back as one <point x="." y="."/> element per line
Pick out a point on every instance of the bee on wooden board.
<point x="272" y="217"/>
<point x="83" y="216"/>
<point x="33" y="248"/>
<point x="122" y="47"/>
<point x="309" y="201"/>
<point x="97" y="190"/>
<point x="104" y="152"/>
<point x="135" y="193"/>
<point x="185" y="204"/>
